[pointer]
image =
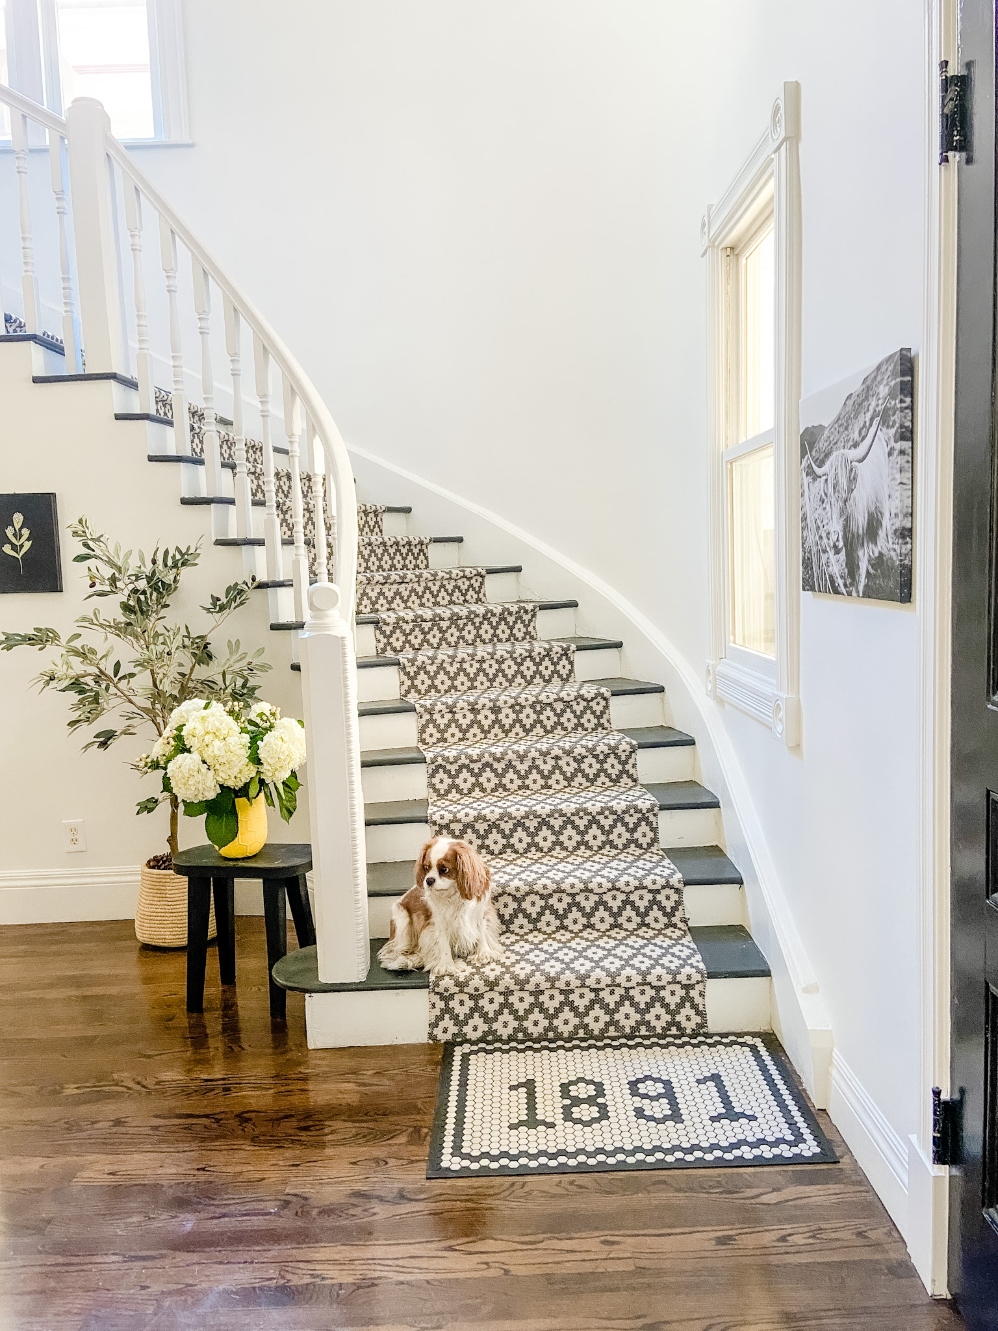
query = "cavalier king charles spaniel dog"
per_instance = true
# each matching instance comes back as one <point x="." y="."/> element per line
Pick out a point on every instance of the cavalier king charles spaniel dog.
<point x="446" y="916"/>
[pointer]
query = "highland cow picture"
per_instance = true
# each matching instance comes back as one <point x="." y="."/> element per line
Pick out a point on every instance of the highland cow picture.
<point x="855" y="484"/>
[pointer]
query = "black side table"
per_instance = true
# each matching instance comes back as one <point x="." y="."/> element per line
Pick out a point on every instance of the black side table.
<point x="282" y="867"/>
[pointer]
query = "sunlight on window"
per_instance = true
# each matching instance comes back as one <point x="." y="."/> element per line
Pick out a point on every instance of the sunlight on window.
<point x="104" y="53"/>
<point x="759" y="305"/>
<point x="750" y="486"/>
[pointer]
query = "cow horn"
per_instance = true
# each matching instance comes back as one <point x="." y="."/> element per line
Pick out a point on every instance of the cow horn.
<point x="859" y="454"/>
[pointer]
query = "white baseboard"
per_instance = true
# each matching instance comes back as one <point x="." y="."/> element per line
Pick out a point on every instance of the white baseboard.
<point x="881" y="1153"/>
<point x="103" y="892"/>
<point x="928" y="1219"/>
<point x="59" y="896"/>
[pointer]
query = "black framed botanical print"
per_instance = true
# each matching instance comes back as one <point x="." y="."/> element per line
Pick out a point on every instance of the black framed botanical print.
<point x="29" y="544"/>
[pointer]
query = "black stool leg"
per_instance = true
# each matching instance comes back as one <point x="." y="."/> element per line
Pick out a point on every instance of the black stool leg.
<point x="198" y="909"/>
<point x="224" y="891"/>
<point x="275" y="913"/>
<point x="301" y="910"/>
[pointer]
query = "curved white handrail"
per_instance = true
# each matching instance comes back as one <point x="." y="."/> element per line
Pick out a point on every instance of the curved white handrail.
<point x="345" y="534"/>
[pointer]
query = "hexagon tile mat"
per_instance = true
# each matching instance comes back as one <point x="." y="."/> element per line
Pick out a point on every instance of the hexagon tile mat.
<point x="581" y="1105"/>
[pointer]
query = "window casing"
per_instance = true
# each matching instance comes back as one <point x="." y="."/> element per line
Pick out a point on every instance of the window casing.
<point x="752" y="244"/>
<point x="127" y="54"/>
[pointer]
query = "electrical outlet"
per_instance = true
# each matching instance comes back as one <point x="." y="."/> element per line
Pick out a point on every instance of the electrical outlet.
<point x="75" y="834"/>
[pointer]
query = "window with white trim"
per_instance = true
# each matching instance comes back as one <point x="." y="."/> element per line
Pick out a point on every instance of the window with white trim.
<point x="752" y="243"/>
<point x="128" y="54"/>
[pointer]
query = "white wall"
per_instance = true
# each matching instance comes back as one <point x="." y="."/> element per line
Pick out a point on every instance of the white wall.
<point x="477" y="226"/>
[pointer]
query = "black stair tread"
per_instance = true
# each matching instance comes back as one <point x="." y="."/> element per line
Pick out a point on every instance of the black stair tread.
<point x="728" y="951"/>
<point x="385" y="707"/>
<point x="189" y="458"/>
<point x="107" y="375"/>
<point x="703" y="864"/>
<point x="673" y="795"/>
<point x="392" y="757"/>
<point x="143" y="416"/>
<point x="511" y="568"/>
<point x="40" y="338"/>
<point x="398" y="508"/>
<point x="620" y="687"/>
<point x="699" y="865"/>
<point x="682" y="795"/>
<point x="286" y="625"/>
<point x="275" y="582"/>
<point x="580" y="644"/>
<point x="247" y="540"/>
<point x="296" y="665"/>
<point x="446" y="540"/>
<point x="218" y="499"/>
<point x="659" y="737"/>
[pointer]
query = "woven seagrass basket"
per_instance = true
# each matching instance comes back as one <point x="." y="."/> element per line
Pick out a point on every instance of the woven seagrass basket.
<point x="161" y="913"/>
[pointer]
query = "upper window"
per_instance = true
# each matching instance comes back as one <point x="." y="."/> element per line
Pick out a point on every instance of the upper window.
<point x="752" y="242"/>
<point x="125" y="53"/>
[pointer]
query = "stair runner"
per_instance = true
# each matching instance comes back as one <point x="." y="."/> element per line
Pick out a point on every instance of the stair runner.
<point x="522" y="761"/>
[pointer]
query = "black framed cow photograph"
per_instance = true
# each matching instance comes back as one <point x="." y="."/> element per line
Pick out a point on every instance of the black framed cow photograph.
<point x="856" y="452"/>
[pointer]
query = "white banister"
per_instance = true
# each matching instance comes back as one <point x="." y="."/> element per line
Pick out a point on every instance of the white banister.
<point x="87" y="133"/>
<point x="57" y="172"/>
<point x="29" y="280"/>
<point x="317" y="459"/>
<point x="299" y="557"/>
<point x="271" y="523"/>
<point x="329" y="686"/>
<point x="335" y="798"/>
<point x="209" y="431"/>
<point x="233" y="345"/>
<point x="143" y="360"/>
<point x="168" y="258"/>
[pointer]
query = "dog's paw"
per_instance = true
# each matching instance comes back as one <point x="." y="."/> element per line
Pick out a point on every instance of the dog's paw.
<point x="486" y="954"/>
<point x="402" y="962"/>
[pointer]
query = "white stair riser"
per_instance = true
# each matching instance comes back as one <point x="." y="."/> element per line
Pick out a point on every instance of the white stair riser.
<point x="676" y="827"/>
<point x="395" y="524"/>
<point x="401" y="1016"/>
<point x="445" y="554"/>
<point x="282" y="604"/>
<point x="381" y="683"/>
<point x="397" y="730"/>
<point x="407" y="781"/>
<point x="706" y="903"/>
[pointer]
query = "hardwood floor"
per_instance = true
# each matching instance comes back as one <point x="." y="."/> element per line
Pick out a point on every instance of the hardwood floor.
<point x="160" y="1172"/>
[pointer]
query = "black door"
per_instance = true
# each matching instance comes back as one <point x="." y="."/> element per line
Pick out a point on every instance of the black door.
<point x="974" y="1182"/>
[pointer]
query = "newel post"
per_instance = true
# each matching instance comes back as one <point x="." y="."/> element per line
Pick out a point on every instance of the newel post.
<point x="93" y="227"/>
<point x="335" y="798"/>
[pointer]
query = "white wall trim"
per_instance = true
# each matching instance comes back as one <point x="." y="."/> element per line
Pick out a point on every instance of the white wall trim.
<point x="926" y="1231"/>
<point x="57" y="896"/>
<point x="774" y="157"/>
<point x="881" y="1153"/>
<point x="800" y="1014"/>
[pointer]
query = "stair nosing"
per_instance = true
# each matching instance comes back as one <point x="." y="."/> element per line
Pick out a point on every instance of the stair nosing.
<point x="416" y="811"/>
<point x="375" y="617"/>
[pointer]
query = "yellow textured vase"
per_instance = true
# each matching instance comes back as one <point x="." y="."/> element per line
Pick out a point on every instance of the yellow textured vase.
<point x="252" y="834"/>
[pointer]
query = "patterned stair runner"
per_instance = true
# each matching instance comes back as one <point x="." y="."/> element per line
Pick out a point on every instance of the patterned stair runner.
<point x="523" y="762"/>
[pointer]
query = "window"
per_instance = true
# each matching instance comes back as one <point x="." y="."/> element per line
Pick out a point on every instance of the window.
<point x="128" y="54"/>
<point x="752" y="242"/>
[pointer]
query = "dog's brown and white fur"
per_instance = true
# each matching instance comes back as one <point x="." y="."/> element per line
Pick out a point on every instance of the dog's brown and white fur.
<point x="446" y="916"/>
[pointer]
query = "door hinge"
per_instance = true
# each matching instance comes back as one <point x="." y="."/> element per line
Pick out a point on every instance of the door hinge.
<point x="947" y="1128"/>
<point x="954" y="113"/>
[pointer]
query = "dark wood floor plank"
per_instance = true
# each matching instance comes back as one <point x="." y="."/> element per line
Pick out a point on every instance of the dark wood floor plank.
<point x="161" y="1172"/>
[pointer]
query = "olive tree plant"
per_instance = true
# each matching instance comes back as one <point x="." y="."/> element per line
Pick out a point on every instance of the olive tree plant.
<point x="134" y="664"/>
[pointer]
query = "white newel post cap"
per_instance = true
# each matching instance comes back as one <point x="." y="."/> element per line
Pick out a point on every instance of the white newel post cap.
<point x="324" y="602"/>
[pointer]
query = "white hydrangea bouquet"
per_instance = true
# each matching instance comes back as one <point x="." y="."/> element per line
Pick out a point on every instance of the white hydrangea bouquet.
<point x="211" y="756"/>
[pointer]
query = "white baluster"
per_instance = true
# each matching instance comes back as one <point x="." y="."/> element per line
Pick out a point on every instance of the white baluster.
<point x="233" y="345"/>
<point x="271" y="523"/>
<point x="299" y="559"/>
<point x="70" y="332"/>
<point x="168" y="257"/>
<point x="143" y="360"/>
<point x="29" y="281"/>
<point x="209" y="434"/>
<point x="94" y="235"/>
<point x="318" y="501"/>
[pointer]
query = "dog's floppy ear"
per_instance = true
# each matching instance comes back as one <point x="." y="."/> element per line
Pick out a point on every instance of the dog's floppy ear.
<point x="423" y="863"/>
<point x="472" y="874"/>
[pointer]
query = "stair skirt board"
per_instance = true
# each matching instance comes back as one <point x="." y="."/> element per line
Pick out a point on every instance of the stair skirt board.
<point x="402" y="1016"/>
